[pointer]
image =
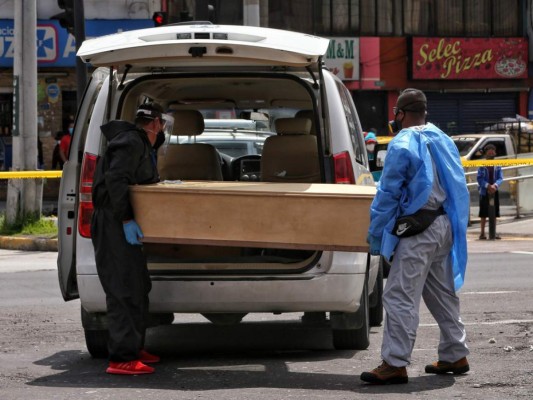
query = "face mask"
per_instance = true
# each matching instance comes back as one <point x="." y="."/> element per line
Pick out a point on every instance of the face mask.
<point x="395" y="126"/>
<point x="70" y="130"/>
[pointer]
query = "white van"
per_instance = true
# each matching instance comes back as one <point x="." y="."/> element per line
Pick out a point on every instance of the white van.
<point x="223" y="72"/>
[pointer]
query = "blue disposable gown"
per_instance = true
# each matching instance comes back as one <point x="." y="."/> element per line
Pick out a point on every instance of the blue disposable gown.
<point x="407" y="181"/>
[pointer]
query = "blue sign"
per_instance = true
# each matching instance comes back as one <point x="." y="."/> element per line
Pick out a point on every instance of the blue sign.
<point x="53" y="91"/>
<point x="55" y="46"/>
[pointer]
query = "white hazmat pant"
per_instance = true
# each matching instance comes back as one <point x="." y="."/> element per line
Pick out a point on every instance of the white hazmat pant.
<point x="422" y="267"/>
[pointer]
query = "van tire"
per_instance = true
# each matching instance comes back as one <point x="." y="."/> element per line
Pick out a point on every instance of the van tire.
<point x="96" y="341"/>
<point x="376" y="298"/>
<point x="355" y="339"/>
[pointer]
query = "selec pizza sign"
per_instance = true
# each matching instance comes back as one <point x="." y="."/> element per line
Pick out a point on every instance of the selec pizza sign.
<point x="469" y="58"/>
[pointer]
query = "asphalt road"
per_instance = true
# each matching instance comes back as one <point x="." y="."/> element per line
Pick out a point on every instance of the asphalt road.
<point x="43" y="354"/>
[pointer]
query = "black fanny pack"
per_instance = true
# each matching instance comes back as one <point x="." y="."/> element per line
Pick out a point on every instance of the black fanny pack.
<point x="410" y="225"/>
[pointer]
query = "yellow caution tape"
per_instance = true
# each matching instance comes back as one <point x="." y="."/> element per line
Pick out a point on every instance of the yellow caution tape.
<point x="500" y="162"/>
<point x="30" y="174"/>
<point x="466" y="164"/>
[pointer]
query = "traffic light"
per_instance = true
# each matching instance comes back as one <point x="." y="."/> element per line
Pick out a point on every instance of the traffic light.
<point x="66" y="18"/>
<point x="160" y="18"/>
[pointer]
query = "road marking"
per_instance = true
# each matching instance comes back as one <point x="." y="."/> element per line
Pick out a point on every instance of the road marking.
<point x="500" y="292"/>
<point x="503" y="322"/>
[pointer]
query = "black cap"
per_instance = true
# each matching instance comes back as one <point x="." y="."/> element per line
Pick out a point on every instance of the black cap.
<point x="149" y="111"/>
<point x="412" y="100"/>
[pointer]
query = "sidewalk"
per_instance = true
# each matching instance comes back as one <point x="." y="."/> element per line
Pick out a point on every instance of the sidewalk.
<point x="506" y="227"/>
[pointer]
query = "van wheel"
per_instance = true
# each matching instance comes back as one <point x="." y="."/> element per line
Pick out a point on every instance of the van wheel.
<point x="376" y="298"/>
<point x="355" y="339"/>
<point x="96" y="342"/>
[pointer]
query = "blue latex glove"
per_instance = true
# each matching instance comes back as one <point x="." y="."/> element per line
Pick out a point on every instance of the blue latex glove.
<point x="133" y="232"/>
<point x="375" y="244"/>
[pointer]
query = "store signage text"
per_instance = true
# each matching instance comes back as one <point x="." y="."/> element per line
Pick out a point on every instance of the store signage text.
<point x="55" y="46"/>
<point x="342" y="57"/>
<point x="469" y="58"/>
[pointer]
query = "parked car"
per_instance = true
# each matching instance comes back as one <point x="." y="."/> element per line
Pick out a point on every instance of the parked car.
<point x="232" y="71"/>
<point x="380" y="152"/>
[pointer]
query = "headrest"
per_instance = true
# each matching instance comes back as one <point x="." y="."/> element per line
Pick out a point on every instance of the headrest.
<point x="310" y="116"/>
<point x="188" y="123"/>
<point x="293" y="126"/>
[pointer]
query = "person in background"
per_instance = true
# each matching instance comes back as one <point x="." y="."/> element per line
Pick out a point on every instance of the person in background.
<point x="64" y="144"/>
<point x="423" y="181"/>
<point x="489" y="180"/>
<point x="56" y="159"/>
<point x="370" y="142"/>
<point x="121" y="264"/>
<point x="40" y="159"/>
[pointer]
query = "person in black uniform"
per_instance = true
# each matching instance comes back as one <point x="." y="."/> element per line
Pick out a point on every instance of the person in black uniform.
<point x="121" y="264"/>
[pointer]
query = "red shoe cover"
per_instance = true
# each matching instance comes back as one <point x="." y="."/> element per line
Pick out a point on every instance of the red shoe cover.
<point x="135" y="367"/>
<point x="146" y="357"/>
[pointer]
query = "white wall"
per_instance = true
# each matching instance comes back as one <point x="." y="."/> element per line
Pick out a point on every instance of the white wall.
<point x="94" y="9"/>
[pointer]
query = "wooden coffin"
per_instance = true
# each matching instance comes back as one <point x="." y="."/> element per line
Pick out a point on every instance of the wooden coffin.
<point x="270" y="215"/>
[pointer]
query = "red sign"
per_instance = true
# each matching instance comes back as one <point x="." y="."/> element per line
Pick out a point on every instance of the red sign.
<point x="469" y="58"/>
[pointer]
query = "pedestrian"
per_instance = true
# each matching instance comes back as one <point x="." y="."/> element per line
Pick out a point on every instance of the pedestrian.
<point x="489" y="179"/>
<point x="121" y="264"/>
<point x="40" y="159"/>
<point x="56" y="159"/>
<point x="64" y="144"/>
<point x="420" y="212"/>
<point x="370" y="143"/>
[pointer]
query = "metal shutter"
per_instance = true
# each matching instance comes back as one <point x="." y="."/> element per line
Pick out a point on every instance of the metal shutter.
<point x="458" y="113"/>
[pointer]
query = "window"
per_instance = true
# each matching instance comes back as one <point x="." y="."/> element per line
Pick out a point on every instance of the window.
<point x="351" y="120"/>
<point x="6" y="114"/>
<point x="294" y="15"/>
<point x="399" y="17"/>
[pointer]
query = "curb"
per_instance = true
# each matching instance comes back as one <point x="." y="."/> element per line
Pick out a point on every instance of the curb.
<point x="27" y="243"/>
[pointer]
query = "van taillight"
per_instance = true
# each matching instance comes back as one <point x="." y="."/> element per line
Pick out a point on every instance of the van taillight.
<point x="85" y="208"/>
<point x="343" y="168"/>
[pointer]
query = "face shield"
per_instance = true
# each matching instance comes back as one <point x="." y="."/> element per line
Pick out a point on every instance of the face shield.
<point x="166" y="132"/>
<point x="168" y="124"/>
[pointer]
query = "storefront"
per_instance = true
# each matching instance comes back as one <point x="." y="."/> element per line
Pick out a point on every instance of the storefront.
<point x="56" y="90"/>
<point x="470" y="81"/>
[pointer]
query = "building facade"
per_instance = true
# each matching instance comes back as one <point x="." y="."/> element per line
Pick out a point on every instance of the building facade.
<point x="471" y="57"/>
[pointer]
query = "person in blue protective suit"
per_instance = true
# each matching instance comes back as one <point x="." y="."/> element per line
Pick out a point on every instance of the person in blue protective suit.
<point x="128" y="160"/>
<point x="420" y="215"/>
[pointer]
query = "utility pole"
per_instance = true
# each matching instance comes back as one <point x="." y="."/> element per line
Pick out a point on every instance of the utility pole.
<point x="251" y="12"/>
<point x="24" y="196"/>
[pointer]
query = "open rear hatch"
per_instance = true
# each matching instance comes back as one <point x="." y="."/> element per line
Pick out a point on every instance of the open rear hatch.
<point x="176" y="48"/>
<point x="189" y="45"/>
